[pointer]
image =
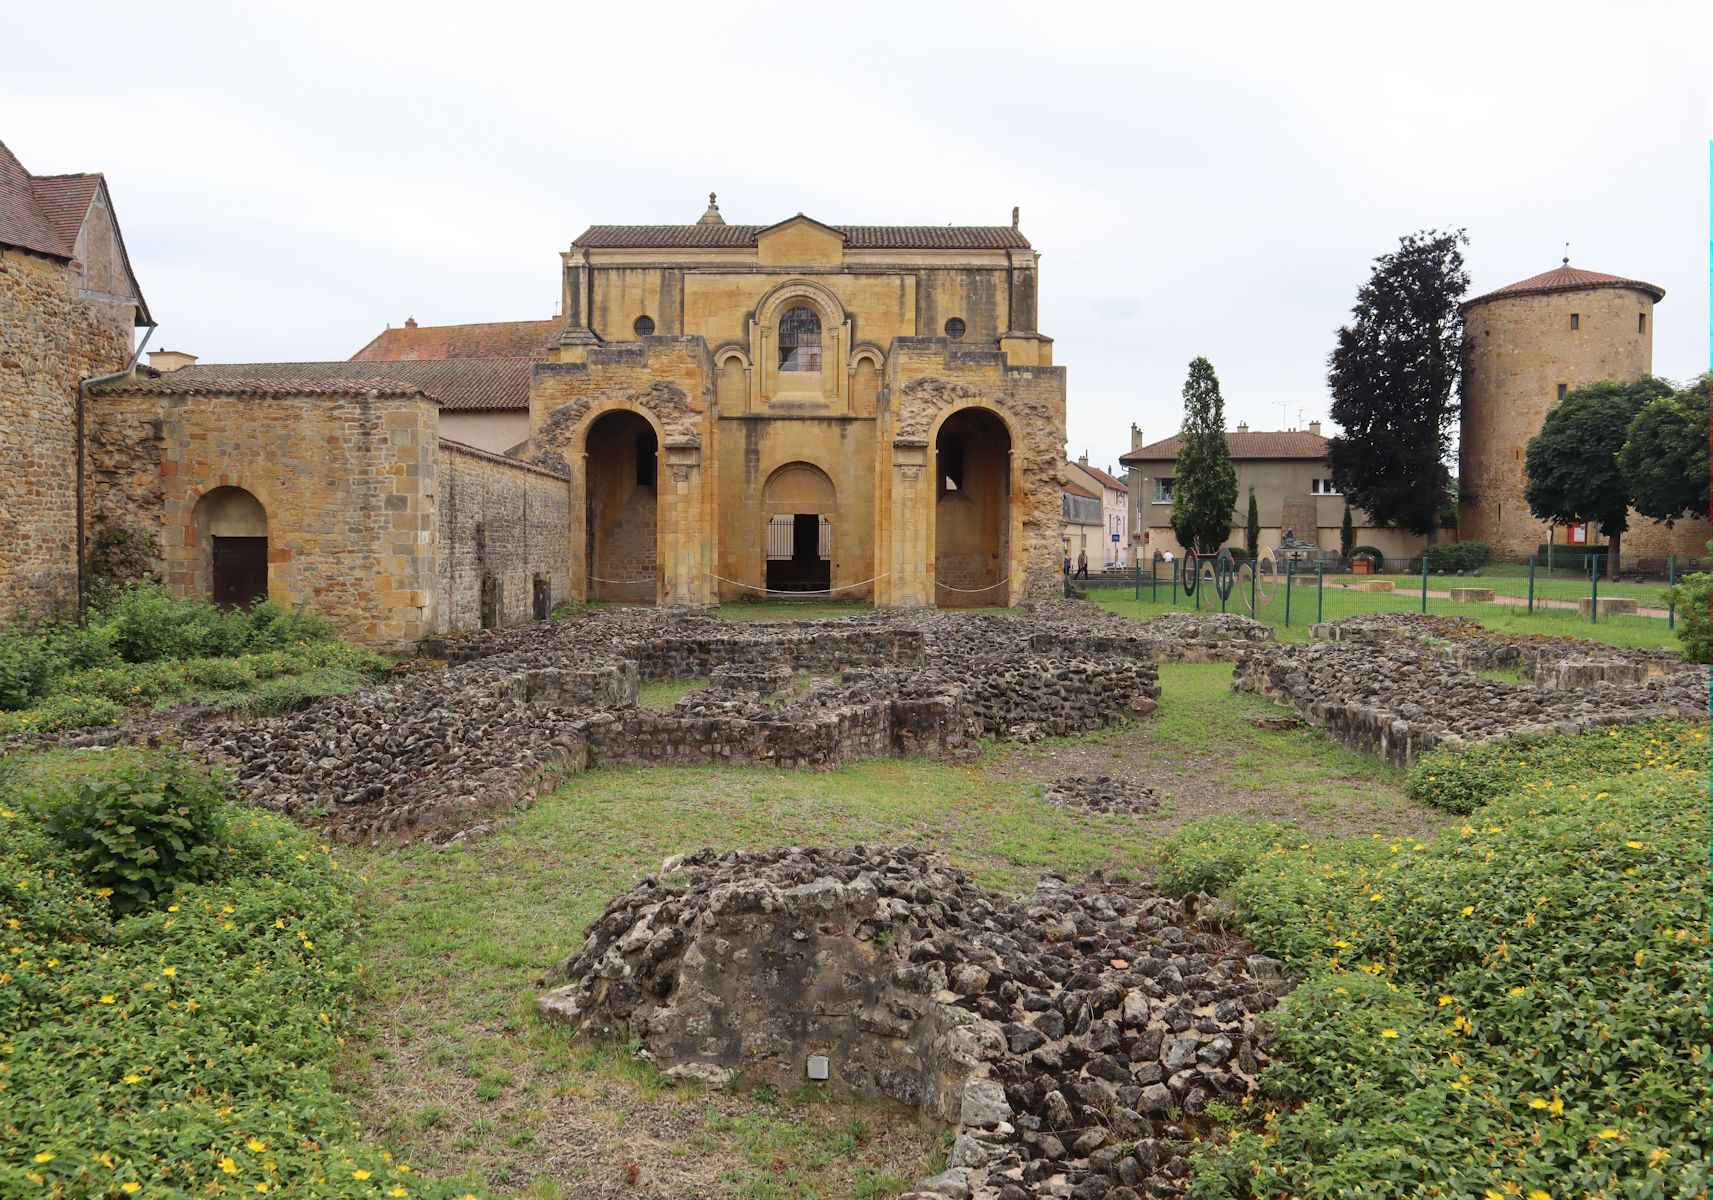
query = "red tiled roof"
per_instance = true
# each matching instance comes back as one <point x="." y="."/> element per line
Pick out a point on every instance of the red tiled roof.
<point x="456" y="384"/>
<point x="857" y="237"/>
<point x="22" y="221"/>
<point x="1077" y="489"/>
<point x="1566" y="279"/>
<point x="65" y="201"/>
<point x="1291" y="443"/>
<point x="1108" y="480"/>
<point x="491" y="339"/>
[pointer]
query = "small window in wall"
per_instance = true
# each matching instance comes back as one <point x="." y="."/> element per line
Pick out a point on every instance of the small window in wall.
<point x="644" y="326"/>
<point x="1576" y="320"/>
<point x="1163" y="491"/>
<point x="1641" y="322"/>
<point x="1562" y="389"/>
<point x="800" y="340"/>
<point x="1324" y="487"/>
<point x="955" y="329"/>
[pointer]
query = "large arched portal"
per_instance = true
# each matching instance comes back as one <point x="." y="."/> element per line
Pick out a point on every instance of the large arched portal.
<point x="233" y="529"/>
<point x="621" y="517"/>
<point x="972" y="510"/>
<point x="797" y="504"/>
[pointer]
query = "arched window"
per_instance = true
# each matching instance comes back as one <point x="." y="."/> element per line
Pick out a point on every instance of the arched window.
<point x="800" y="340"/>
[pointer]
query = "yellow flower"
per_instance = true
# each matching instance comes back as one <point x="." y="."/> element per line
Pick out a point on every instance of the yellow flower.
<point x="359" y="1173"/>
<point x="1556" y="1107"/>
<point x="1609" y="1134"/>
<point x="227" y="908"/>
<point x="1518" y="991"/>
<point x="1631" y="845"/>
<point x="1537" y="1102"/>
<point x="228" y="1166"/>
<point x="1376" y="896"/>
<point x="1640" y="954"/>
<point x="133" y="1079"/>
<point x="131" y="1188"/>
<point x="1388" y="1033"/>
<point x="257" y="1145"/>
<point x="104" y="892"/>
<point x="192" y="1005"/>
<point x="172" y="908"/>
<point x="108" y="999"/>
<point x="278" y="924"/>
<point x="46" y="1156"/>
<point x="261" y="1187"/>
<point x="169" y="971"/>
<point x="1537" y="1194"/>
<point x="397" y="1191"/>
<point x="1467" y="909"/>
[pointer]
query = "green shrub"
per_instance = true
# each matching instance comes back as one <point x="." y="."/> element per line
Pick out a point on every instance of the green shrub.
<point x="289" y="693"/>
<point x="184" y="1048"/>
<point x="1512" y="1006"/>
<point x="1454" y="556"/>
<point x="223" y="673"/>
<point x="26" y="668"/>
<point x="1691" y="598"/>
<point x="76" y="648"/>
<point x="61" y="712"/>
<point x="1567" y="558"/>
<point x="138" y="832"/>
<point x="1205" y="855"/>
<point x="127" y="683"/>
<point x="1462" y="778"/>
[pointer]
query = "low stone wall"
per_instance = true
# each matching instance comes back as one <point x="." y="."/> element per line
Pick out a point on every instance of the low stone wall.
<point x="1060" y="1034"/>
<point x="505" y="551"/>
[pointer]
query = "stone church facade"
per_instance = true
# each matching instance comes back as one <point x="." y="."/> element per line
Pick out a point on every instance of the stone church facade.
<point x="721" y="411"/>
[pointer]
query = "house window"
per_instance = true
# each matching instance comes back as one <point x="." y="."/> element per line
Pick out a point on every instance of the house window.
<point x="1562" y="389"/>
<point x="1576" y="320"/>
<point x="800" y="340"/>
<point x="955" y="329"/>
<point x="644" y="327"/>
<point x="1163" y="491"/>
<point x="1324" y="487"/>
<point x="1641" y="322"/>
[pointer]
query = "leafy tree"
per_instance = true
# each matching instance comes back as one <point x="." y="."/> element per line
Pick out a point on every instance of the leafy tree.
<point x="1665" y="460"/>
<point x="1572" y="463"/>
<point x="1252" y="530"/>
<point x="1204" y="491"/>
<point x="1346" y="535"/>
<point x="1393" y="375"/>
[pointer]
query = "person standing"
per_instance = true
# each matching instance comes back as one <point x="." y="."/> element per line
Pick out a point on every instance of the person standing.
<point x="1082" y="564"/>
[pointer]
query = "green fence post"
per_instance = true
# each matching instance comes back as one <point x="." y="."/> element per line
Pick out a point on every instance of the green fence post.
<point x="1288" y="562"/>
<point x="1424" y="580"/>
<point x="1153" y="580"/>
<point x="1594" y="589"/>
<point x="1671" y="581"/>
<point x="1532" y="583"/>
<point x="1320" y="591"/>
<point x="1198" y="587"/>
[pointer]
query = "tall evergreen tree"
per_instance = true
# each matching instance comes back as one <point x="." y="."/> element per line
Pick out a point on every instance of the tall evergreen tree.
<point x="1572" y="463"/>
<point x="1346" y="535"/>
<point x="1665" y="456"/>
<point x="1393" y="377"/>
<point x="1252" y="528"/>
<point x="1204" y="491"/>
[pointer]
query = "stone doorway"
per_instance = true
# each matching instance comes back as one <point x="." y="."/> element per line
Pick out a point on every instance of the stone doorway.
<point x="799" y="553"/>
<point x="972" y="511"/>
<point x="234" y="530"/>
<point x="621" y="498"/>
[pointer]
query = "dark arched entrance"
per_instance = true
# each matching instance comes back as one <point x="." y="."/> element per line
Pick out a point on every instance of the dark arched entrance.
<point x="797" y="504"/>
<point x="972" y="510"/>
<point x="234" y="530"/>
<point x="621" y="465"/>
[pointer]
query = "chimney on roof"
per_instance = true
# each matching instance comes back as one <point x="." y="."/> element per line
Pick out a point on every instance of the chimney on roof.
<point x="1314" y="428"/>
<point x="410" y="322"/>
<point x="1135" y="436"/>
<point x="712" y="216"/>
<point x="1016" y="215"/>
<point x="1243" y="427"/>
<point x="170" y="360"/>
<point x="1082" y="459"/>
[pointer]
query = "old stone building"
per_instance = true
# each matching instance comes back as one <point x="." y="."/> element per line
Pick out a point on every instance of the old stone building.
<point x="1530" y="343"/>
<point x="68" y="305"/>
<point x="723" y="411"/>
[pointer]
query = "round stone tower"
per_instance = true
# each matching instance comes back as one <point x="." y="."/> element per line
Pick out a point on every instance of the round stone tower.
<point x="1530" y="343"/>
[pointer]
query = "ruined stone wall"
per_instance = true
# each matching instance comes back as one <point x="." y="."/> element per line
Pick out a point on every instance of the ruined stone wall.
<point x="500" y="519"/>
<point x="347" y="482"/>
<point x="49" y="339"/>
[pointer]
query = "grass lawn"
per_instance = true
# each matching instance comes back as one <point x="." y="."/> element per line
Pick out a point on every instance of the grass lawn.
<point x="1338" y="601"/>
<point x="1511" y="579"/>
<point x="453" y="1071"/>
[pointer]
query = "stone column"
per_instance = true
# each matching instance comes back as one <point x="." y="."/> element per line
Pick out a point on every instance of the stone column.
<point x="911" y="582"/>
<point x="685" y="541"/>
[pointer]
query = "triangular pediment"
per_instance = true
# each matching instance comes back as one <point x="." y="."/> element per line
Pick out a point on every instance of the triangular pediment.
<point x="800" y="240"/>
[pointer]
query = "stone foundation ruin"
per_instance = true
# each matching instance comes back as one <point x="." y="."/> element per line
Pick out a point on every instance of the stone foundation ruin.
<point x="1396" y="685"/>
<point x="1061" y="1034"/>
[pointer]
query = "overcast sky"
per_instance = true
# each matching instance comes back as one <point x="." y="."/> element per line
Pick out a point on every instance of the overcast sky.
<point x="1200" y="178"/>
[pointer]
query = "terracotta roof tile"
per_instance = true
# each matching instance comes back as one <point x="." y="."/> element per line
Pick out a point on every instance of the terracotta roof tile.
<point x="1290" y="443"/>
<point x="457" y="385"/>
<point x="1566" y="279"/>
<point x="22" y="221"/>
<point x="857" y="237"/>
<point x="1077" y="489"/>
<point x="491" y="339"/>
<point x="65" y="201"/>
<point x="1109" y="480"/>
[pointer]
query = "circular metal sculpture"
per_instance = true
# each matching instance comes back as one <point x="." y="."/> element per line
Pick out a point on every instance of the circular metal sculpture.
<point x="1224" y="575"/>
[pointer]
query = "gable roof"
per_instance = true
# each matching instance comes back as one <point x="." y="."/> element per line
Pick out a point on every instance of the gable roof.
<point x="490" y="339"/>
<point x="456" y="384"/>
<point x="1077" y="489"/>
<point x="1109" y="480"/>
<point x="1566" y="278"/>
<point x="857" y="237"/>
<point x="1289" y="443"/>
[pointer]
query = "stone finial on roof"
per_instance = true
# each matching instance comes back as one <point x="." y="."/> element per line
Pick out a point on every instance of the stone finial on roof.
<point x="712" y="216"/>
<point x="410" y="322"/>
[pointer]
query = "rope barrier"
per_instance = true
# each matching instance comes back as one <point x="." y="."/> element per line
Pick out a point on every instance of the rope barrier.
<point x="620" y="582"/>
<point x="796" y="592"/>
<point x="972" y="591"/>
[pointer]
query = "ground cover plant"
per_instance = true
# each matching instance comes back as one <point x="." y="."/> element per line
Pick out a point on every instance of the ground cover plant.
<point x="1514" y="1007"/>
<point x="178" y="972"/>
<point x="143" y="647"/>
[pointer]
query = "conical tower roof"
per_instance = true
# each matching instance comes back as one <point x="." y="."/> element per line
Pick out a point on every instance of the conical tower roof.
<point x="1566" y="278"/>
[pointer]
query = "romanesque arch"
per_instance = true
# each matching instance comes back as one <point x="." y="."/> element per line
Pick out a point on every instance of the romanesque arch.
<point x="232" y="535"/>
<point x="621" y="503"/>
<point x="972" y="509"/>
<point x="799" y="505"/>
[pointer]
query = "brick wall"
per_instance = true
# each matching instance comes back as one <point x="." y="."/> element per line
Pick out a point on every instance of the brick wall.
<point x="503" y="519"/>
<point x="49" y="339"/>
